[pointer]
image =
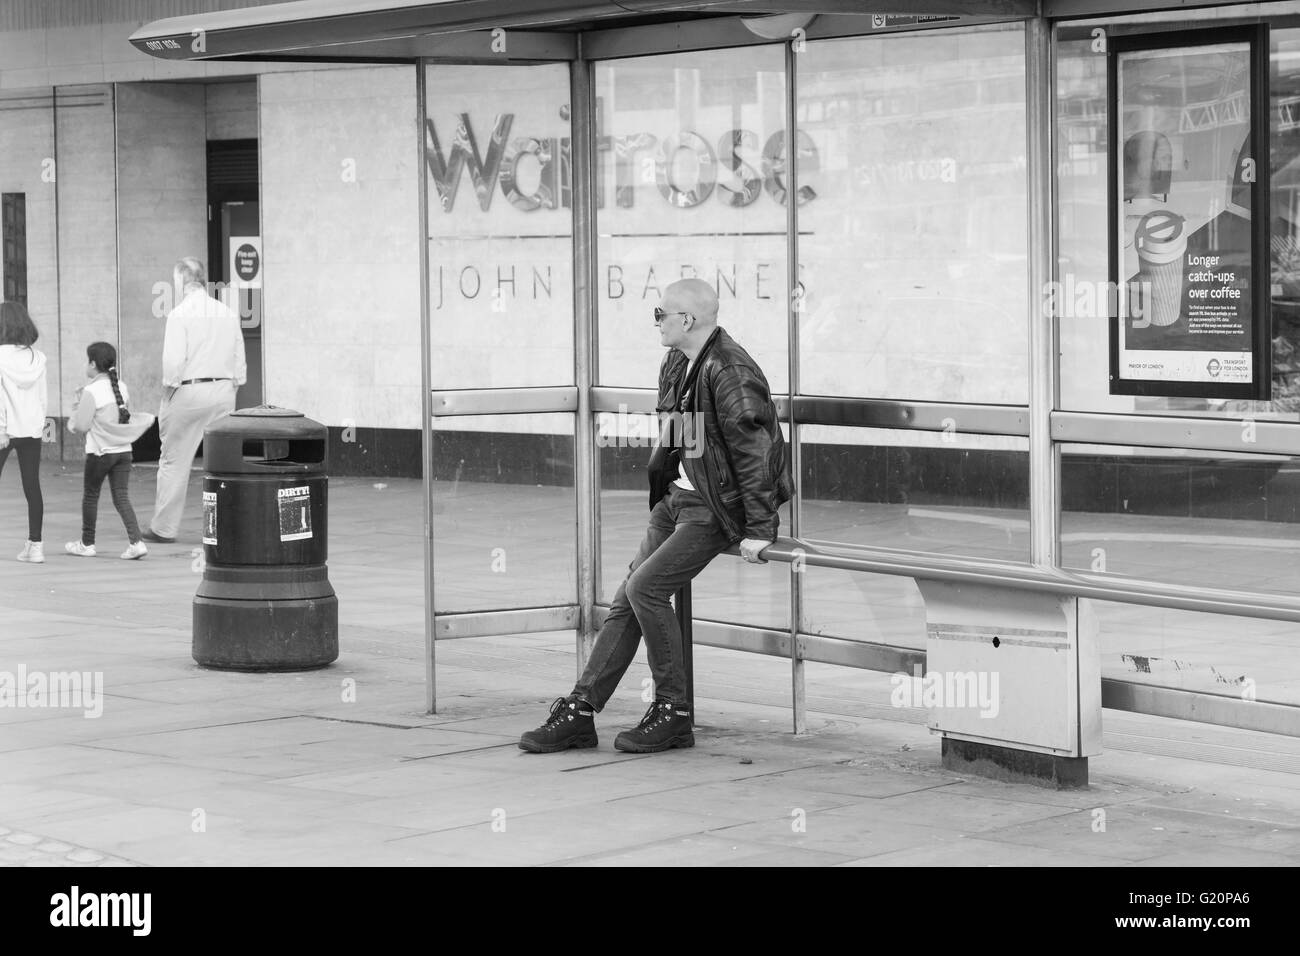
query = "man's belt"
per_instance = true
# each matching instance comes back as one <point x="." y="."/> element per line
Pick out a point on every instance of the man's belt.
<point x="196" y="381"/>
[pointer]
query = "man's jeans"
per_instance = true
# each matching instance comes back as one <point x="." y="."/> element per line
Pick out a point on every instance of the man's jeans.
<point x="682" y="539"/>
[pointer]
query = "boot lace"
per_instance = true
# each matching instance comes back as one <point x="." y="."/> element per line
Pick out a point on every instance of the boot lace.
<point x="559" y="713"/>
<point x="657" y="712"/>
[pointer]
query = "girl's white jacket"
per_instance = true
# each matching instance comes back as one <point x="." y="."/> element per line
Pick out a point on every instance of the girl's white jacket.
<point x="22" y="391"/>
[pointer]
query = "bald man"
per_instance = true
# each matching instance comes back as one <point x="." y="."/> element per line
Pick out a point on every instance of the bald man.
<point x="719" y="473"/>
<point x="203" y="365"/>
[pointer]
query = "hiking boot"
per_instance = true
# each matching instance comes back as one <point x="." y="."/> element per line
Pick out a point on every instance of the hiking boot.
<point x="572" y="724"/>
<point x="664" y="726"/>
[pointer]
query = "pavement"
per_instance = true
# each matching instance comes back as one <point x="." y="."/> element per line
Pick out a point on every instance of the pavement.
<point x="343" y="766"/>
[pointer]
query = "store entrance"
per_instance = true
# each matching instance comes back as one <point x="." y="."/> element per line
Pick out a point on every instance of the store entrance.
<point x="235" y="248"/>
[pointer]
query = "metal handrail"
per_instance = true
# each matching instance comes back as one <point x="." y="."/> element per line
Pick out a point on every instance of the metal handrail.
<point x="1100" y="587"/>
<point x="1000" y="574"/>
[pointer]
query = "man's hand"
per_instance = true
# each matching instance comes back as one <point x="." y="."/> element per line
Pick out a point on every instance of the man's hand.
<point x="751" y="550"/>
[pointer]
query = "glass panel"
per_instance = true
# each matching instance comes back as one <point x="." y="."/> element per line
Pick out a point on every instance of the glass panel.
<point x="728" y="589"/>
<point x="504" y="511"/>
<point x="1216" y="519"/>
<point x="1238" y="657"/>
<point x="1083" y="297"/>
<point x="875" y="608"/>
<point x="691" y="151"/>
<point x="497" y="152"/>
<point x="944" y="493"/>
<point x="913" y="250"/>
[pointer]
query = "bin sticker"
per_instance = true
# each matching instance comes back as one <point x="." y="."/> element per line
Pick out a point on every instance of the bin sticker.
<point x="295" y="513"/>
<point x="210" y="517"/>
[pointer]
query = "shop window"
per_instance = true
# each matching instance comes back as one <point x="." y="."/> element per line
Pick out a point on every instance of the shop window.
<point x="13" y="229"/>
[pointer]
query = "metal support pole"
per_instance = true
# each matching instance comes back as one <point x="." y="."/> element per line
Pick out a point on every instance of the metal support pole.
<point x="426" y="402"/>
<point x="582" y="112"/>
<point x="682" y="605"/>
<point x="794" y="301"/>
<point x="1044" y="454"/>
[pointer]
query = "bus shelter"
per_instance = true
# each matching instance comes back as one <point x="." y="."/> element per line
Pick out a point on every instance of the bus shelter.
<point x="1024" y="275"/>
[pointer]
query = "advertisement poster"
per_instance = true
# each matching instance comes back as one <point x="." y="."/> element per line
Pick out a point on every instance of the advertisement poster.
<point x="210" y="517"/>
<point x="295" y="513"/>
<point x="246" y="262"/>
<point x="1187" y="174"/>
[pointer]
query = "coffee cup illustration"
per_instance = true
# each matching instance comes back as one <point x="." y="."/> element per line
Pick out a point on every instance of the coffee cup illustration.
<point x="1161" y="241"/>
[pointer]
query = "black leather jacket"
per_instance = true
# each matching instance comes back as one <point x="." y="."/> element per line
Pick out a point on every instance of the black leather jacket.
<point x="740" y="465"/>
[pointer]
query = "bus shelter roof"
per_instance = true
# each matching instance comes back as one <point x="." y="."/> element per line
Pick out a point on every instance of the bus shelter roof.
<point x="406" y="29"/>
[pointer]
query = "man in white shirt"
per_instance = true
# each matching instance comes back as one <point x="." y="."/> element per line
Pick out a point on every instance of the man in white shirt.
<point x="203" y="365"/>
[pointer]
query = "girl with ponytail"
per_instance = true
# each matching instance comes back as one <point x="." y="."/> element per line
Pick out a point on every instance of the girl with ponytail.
<point x="105" y="418"/>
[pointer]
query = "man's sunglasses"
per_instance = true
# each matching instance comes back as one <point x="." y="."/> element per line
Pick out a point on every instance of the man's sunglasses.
<point x="660" y="314"/>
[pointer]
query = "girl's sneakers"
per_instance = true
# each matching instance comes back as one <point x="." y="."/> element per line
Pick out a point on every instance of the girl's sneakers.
<point x="33" y="552"/>
<point x="80" y="549"/>
<point x="135" y="551"/>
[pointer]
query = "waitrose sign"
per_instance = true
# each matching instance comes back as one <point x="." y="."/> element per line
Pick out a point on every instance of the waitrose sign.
<point x="736" y="169"/>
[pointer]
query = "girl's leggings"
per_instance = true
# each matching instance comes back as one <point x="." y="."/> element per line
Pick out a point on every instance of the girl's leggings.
<point x="117" y="469"/>
<point x="29" y="465"/>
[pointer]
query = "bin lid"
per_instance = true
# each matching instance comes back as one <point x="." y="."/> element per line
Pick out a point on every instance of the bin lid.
<point x="267" y="411"/>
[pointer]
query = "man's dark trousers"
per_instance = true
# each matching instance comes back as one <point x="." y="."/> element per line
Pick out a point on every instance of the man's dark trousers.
<point x="682" y="539"/>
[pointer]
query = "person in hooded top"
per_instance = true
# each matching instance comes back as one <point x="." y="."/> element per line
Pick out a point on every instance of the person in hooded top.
<point x="23" y="403"/>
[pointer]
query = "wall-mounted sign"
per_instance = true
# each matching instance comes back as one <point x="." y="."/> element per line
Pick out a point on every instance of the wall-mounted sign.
<point x="246" y="262"/>
<point x="1189" y="214"/>
<point x="688" y="167"/>
<point x="896" y="21"/>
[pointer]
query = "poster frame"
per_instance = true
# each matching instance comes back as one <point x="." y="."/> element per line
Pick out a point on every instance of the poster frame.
<point x="1256" y="36"/>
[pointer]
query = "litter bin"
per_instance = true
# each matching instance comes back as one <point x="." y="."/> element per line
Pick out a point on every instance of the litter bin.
<point x="265" y="602"/>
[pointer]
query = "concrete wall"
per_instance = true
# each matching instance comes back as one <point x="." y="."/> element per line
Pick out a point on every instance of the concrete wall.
<point x="27" y="166"/>
<point x="87" y="182"/>
<point x="232" y="110"/>
<point x="162" y="214"/>
<point x="340" y="228"/>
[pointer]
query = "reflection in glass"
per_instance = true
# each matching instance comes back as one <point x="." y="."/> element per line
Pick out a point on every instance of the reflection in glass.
<point x="913" y="254"/>
<point x="504" y="512"/>
<point x="874" y="608"/>
<point x="690" y="183"/>
<point x="943" y="493"/>
<point x="727" y="590"/>
<point x="1243" y="658"/>
<point x="497" y="144"/>
<point x="1216" y="519"/>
